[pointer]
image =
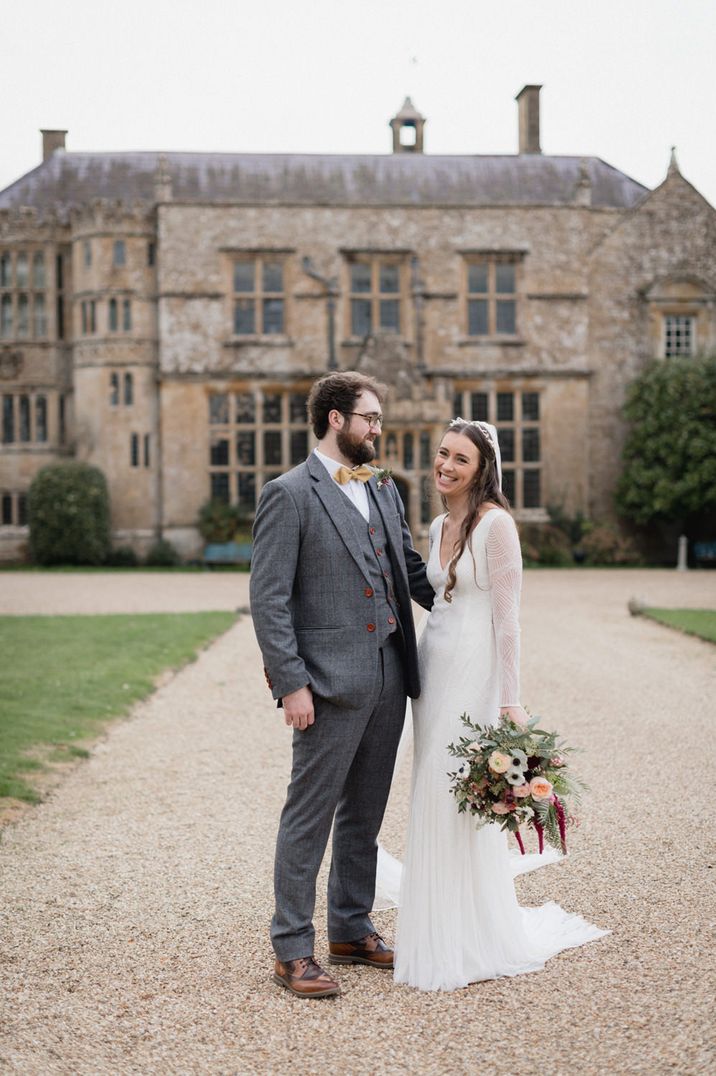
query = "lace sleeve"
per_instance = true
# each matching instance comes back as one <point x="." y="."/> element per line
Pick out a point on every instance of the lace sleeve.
<point x="504" y="567"/>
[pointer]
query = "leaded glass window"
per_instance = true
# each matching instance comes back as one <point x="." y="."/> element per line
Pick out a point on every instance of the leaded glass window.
<point x="264" y="434"/>
<point x="492" y="296"/>
<point x="678" y="335"/>
<point x="259" y="296"/>
<point x="375" y="302"/>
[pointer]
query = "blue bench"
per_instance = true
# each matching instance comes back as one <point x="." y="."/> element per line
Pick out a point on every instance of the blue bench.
<point x="227" y="553"/>
<point x="705" y="552"/>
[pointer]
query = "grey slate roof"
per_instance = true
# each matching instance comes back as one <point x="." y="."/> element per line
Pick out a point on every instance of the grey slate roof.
<point x="67" y="179"/>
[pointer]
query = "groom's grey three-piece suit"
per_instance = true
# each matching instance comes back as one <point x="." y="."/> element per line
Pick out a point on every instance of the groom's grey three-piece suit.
<point x="330" y="600"/>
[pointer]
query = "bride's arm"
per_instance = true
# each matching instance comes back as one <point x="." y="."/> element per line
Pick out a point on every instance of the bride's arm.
<point x="504" y="566"/>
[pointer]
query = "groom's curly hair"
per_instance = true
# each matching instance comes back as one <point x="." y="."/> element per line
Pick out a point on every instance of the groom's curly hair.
<point x="339" y="392"/>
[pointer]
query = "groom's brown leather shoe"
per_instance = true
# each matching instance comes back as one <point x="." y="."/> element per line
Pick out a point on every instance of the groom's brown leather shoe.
<point x="370" y="950"/>
<point x="305" y="978"/>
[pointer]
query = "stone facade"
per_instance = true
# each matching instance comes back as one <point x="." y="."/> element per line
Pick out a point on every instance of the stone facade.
<point x="163" y="317"/>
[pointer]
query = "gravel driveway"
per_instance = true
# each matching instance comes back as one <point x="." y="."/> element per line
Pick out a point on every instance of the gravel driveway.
<point x="136" y="899"/>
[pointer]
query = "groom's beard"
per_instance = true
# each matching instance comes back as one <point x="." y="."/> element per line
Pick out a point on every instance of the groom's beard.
<point x="357" y="452"/>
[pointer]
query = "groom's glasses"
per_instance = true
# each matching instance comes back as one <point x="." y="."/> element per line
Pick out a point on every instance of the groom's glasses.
<point x="372" y="418"/>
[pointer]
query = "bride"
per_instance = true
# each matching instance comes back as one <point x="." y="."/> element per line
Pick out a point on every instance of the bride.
<point x="459" y="920"/>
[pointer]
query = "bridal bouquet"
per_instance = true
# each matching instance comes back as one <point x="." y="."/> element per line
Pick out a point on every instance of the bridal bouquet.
<point x="516" y="774"/>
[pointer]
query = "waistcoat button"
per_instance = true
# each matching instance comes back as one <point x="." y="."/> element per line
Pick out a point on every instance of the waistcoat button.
<point x="368" y="592"/>
<point x="371" y="627"/>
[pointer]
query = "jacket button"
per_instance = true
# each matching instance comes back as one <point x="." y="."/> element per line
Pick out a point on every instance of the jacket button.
<point x="391" y="620"/>
<point x="371" y="627"/>
<point x="368" y="592"/>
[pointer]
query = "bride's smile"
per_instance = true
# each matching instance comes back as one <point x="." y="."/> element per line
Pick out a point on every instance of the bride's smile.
<point x="456" y="464"/>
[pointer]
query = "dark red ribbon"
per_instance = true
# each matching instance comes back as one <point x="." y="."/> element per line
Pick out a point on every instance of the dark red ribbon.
<point x="561" y="823"/>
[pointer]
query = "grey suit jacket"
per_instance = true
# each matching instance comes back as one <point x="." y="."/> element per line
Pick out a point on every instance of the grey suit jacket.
<point x="310" y="600"/>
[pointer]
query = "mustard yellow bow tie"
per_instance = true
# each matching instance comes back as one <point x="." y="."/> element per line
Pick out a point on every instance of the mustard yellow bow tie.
<point x="345" y="474"/>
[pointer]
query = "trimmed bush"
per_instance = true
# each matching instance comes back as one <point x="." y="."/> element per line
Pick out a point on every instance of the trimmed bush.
<point x="122" y="556"/>
<point x="543" y="543"/>
<point x="606" y="544"/>
<point x="68" y="513"/>
<point x="573" y="526"/>
<point x="162" y="555"/>
<point x="218" y="521"/>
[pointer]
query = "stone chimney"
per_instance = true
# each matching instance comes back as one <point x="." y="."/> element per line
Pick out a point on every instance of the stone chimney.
<point x="51" y="142"/>
<point x="163" y="187"/>
<point x="528" y="111"/>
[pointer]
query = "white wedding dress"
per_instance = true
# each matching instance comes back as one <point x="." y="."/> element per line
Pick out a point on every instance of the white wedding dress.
<point x="458" y="919"/>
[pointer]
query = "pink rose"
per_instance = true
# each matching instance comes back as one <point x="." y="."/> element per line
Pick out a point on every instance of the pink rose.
<point x="540" y="788"/>
<point x="521" y="791"/>
<point x="498" y="762"/>
<point x="500" y="808"/>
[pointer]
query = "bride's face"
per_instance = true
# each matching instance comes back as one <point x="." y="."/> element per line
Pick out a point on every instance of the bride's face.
<point x="456" y="465"/>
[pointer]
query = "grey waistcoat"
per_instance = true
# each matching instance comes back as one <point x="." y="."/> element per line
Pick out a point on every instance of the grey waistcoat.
<point x="375" y="549"/>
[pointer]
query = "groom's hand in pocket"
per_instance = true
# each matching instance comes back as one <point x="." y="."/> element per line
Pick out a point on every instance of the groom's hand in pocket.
<point x="298" y="708"/>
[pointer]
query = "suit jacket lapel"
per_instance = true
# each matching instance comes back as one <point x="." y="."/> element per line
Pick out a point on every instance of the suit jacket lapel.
<point x="390" y="520"/>
<point x="340" y="512"/>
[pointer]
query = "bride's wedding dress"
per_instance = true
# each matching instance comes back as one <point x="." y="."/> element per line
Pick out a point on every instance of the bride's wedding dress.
<point x="459" y="920"/>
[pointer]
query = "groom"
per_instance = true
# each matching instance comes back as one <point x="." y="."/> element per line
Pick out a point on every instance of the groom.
<point x="332" y="574"/>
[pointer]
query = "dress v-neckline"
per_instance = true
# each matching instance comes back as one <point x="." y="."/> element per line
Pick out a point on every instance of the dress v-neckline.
<point x="474" y="530"/>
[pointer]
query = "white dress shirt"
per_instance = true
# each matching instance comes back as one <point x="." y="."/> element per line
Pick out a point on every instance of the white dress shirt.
<point x="354" y="490"/>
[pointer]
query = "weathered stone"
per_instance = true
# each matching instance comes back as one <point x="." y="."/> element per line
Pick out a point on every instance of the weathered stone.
<point x="599" y="262"/>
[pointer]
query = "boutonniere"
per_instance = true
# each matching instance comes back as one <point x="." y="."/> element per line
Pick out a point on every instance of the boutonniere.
<point x="382" y="475"/>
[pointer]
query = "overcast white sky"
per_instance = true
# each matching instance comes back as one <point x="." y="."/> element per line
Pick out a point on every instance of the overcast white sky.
<point x="623" y="79"/>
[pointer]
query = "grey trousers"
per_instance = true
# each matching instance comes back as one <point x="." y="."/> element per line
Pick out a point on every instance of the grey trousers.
<point x="341" y="775"/>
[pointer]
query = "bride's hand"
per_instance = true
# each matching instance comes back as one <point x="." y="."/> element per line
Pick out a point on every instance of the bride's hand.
<point x="518" y="714"/>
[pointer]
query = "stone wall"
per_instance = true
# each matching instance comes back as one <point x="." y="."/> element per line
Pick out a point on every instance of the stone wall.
<point x="670" y="237"/>
<point x="592" y="289"/>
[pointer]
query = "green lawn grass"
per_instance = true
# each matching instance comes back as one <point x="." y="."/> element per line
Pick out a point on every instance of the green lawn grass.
<point x="701" y="622"/>
<point x="64" y="676"/>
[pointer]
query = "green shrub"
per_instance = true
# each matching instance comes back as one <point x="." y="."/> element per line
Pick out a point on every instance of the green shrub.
<point x="573" y="526"/>
<point x="68" y="512"/>
<point x="162" y="555"/>
<point x="670" y="450"/>
<point x="218" y="521"/>
<point x="606" y="544"/>
<point x="545" y="544"/>
<point x="122" y="556"/>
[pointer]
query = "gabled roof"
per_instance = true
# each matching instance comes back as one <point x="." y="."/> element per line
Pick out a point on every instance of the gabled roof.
<point x="74" y="179"/>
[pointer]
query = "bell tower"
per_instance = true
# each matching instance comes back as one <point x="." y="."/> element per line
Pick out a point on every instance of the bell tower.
<point x="407" y="127"/>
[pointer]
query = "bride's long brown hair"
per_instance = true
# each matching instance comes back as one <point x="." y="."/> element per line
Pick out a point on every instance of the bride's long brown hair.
<point x="485" y="487"/>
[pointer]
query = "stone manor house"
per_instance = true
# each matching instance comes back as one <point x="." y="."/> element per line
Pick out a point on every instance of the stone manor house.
<point x="163" y="315"/>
